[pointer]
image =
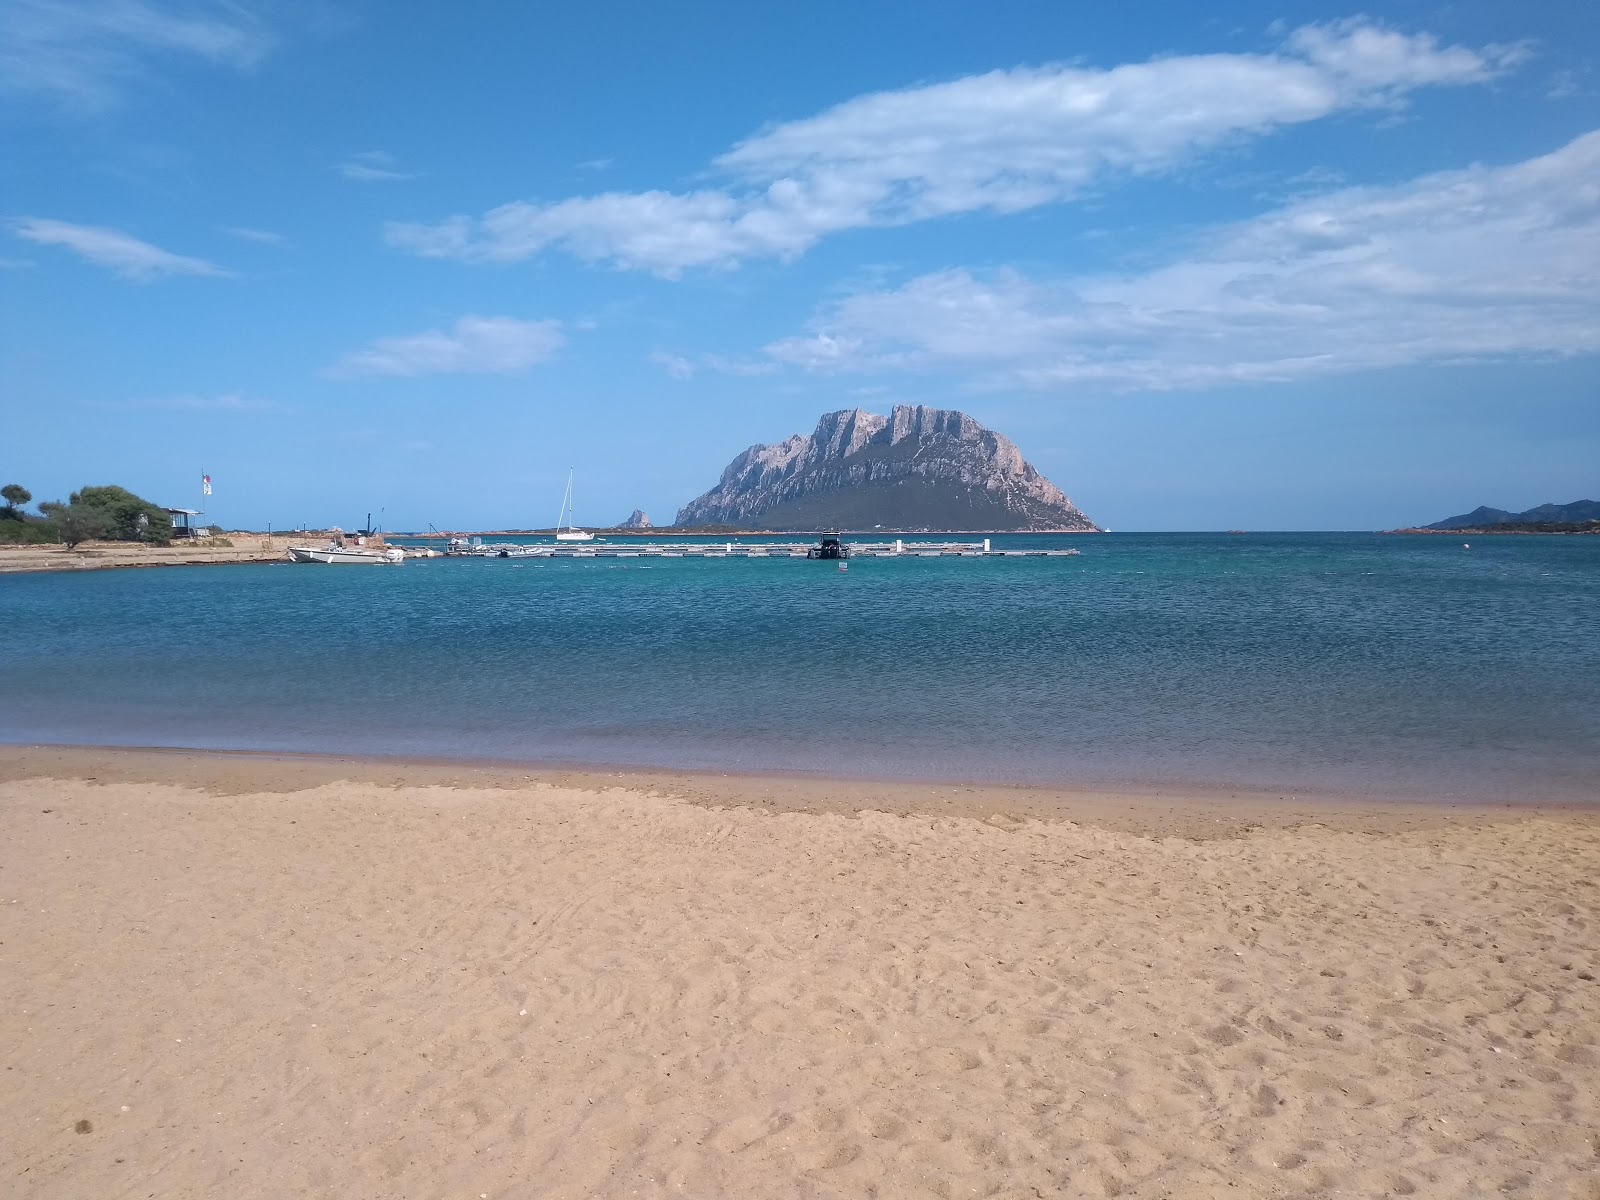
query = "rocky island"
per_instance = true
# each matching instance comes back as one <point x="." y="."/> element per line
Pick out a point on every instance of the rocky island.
<point x="917" y="469"/>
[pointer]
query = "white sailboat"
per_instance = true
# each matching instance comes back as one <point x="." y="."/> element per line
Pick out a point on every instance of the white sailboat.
<point x="569" y="534"/>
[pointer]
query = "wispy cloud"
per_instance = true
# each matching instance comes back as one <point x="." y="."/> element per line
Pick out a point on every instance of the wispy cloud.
<point x="675" y="365"/>
<point x="264" y="237"/>
<point x="682" y="368"/>
<point x="226" y="402"/>
<point x="122" y="253"/>
<point x="1457" y="266"/>
<point x="372" y="166"/>
<point x="999" y="143"/>
<point x="474" y="346"/>
<point x="1564" y="85"/>
<point x="85" y="55"/>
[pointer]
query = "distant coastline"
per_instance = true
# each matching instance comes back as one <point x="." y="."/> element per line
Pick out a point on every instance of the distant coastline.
<point x="1522" y="527"/>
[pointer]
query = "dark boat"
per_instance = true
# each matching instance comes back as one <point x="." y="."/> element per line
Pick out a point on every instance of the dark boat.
<point x="829" y="547"/>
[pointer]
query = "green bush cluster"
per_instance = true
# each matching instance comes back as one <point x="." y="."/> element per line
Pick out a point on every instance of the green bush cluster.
<point x="108" y="513"/>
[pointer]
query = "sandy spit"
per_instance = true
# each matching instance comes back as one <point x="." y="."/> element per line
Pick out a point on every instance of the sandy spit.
<point x="103" y="555"/>
<point x="394" y="986"/>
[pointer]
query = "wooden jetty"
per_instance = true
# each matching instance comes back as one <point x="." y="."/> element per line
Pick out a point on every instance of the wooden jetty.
<point x="899" y="548"/>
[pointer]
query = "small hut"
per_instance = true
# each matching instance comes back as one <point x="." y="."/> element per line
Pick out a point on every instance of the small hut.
<point x="182" y="527"/>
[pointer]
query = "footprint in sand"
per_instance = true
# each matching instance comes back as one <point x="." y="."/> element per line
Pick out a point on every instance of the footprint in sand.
<point x="744" y="1132"/>
<point x="828" y="1156"/>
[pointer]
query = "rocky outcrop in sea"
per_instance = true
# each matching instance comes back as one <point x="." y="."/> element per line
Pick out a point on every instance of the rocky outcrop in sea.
<point x="916" y="469"/>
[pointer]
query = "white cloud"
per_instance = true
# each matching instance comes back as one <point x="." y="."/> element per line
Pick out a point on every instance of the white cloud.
<point x="1456" y="266"/>
<point x="681" y="368"/>
<point x="264" y="237"/>
<point x="739" y="366"/>
<point x="123" y="253"/>
<point x="1000" y="142"/>
<point x="675" y="365"/>
<point x="85" y="54"/>
<point x="1564" y="85"/>
<point x="475" y="346"/>
<point x="372" y="166"/>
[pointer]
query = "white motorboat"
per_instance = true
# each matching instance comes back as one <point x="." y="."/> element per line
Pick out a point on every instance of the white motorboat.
<point x="336" y="554"/>
<point x="569" y="534"/>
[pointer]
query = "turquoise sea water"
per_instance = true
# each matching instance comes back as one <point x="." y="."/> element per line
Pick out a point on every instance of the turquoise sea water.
<point x="1381" y="665"/>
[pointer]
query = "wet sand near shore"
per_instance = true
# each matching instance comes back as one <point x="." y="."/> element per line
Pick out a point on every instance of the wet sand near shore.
<point x="249" y="975"/>
<point x="1192" y="812"/>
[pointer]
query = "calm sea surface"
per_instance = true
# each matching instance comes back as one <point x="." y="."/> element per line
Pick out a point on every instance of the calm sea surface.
<point x="1310" y="662"/>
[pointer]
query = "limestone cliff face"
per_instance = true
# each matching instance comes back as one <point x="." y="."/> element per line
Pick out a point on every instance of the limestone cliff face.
<point x="918" y="468"/>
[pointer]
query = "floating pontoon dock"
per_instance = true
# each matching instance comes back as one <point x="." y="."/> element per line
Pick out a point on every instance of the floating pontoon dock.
<point x="899" y="548"/>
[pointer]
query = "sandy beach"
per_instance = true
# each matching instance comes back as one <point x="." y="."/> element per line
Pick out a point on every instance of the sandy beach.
<point x="226" y="975"/>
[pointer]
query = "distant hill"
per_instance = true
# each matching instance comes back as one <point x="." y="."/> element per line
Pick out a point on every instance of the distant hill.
<point x="1546" y="514"/>
<point x="916" y="469"/>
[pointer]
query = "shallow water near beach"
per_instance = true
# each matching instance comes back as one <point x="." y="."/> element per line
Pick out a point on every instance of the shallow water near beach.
<point x="1339" y="663"/>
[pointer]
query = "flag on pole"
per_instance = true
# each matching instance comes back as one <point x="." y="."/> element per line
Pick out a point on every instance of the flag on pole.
<point x="205" y="485"/>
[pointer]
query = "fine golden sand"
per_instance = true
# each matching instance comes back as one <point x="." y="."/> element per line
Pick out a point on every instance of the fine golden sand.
<point x="263" y="978"/>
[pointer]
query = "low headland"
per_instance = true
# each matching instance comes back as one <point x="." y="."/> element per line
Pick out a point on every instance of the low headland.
<point x="287" y="975"/>
<point x="1578" y="516"/>
<point x="1510" y="527"/>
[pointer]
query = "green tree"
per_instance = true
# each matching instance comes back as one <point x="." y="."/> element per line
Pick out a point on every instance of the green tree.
<point x="15" y="496"/>
<point x="75" y="523"/>
<point x="127" y="518"/>
<point x="18" y="527"/>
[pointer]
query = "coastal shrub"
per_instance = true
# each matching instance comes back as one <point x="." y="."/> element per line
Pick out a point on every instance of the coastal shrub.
<point x="21" y="528"/>
<point x="76" y="523"/>
<point x="127" y="518"/>
<point x="27" y="531"/>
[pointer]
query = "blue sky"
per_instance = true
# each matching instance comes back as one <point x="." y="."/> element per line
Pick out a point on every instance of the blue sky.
<point x="1256" y="266"/>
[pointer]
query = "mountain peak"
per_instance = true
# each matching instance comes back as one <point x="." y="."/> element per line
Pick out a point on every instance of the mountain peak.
<point x="917" y="468"/>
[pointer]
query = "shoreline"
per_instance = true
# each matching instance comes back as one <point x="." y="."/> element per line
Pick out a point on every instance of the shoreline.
<point x="1188" y="811"/>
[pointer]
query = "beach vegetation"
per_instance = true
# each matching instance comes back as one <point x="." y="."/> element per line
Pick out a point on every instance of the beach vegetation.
<point x="27" y="530"/>
<point x="125" y="517"/>
<point x="107" y="513"/>
<point x="30" y="531"/>
<point x="18" y="526"/>
<point x="74" y="524"/>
